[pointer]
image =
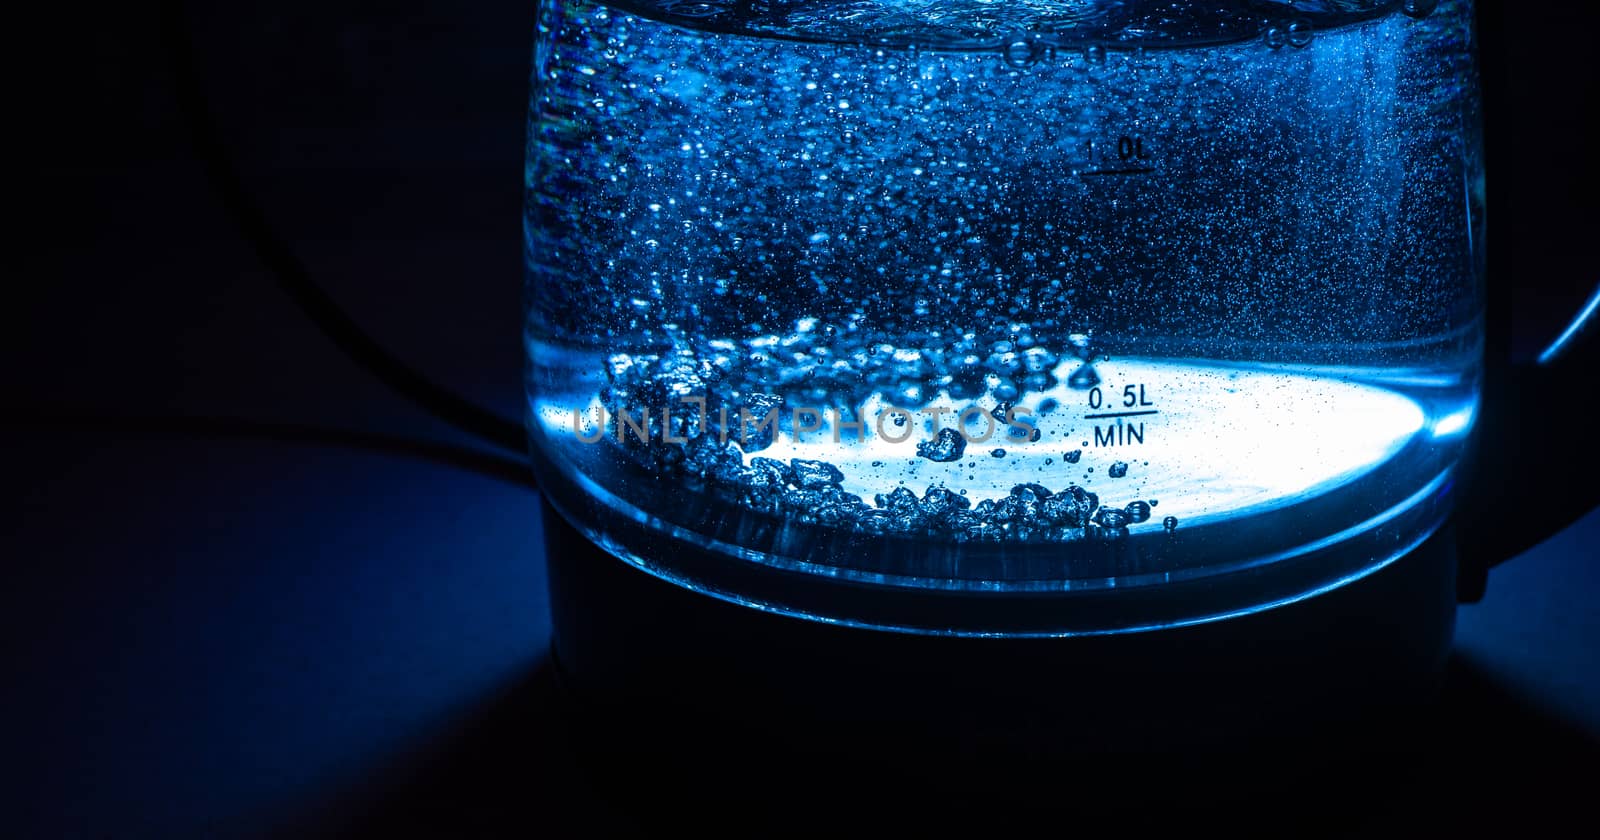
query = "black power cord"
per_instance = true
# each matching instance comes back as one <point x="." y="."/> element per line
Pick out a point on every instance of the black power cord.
<point x="293" y="276"/>
<point x="510" y="471"/>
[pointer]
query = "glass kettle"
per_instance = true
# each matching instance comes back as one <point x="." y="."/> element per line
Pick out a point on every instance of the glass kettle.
<point x="1049" y="321"/>
<point x="1051" y="298"/>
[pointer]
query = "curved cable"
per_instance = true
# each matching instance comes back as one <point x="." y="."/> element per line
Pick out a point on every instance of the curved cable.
<point x="293" y="276"/>
<point x="501" y="468"/>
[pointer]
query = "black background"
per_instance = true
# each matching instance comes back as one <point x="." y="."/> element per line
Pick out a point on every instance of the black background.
<point x="224" y="635"/>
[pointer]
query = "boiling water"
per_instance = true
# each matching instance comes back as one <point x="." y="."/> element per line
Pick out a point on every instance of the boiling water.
<point x="1050" y="297"/>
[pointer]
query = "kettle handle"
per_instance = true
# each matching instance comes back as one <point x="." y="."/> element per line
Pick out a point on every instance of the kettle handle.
<point x="1537" y="465"/>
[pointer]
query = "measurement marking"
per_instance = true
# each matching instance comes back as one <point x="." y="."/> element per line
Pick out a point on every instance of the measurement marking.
<point x="1138" y="170"/>
<point x="1120" y="414"/>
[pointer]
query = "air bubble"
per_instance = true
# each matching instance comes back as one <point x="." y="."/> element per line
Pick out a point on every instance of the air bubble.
<point x="1170" y="523"/>
<point x="1418" y="8"/>
<point x="946" y="446"/>
<point x="1080" y="346"/>
<point x="1023" y="54"/>
<point x="1299" y="32"/>
<point x="1083" y="378"/>
<point x="1138" y="511"/>
<point x="1095" y="54"/>
<point x="699" y="10"/>
<point x="1112" y="518"/>
<point x="1275" y="37"/>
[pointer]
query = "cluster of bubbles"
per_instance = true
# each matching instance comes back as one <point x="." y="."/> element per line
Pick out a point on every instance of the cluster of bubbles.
<point x="712" y="187"/>
<point x="825" y="365"/>
<point x="810" y="492"/>
<point x="697" y="449"/>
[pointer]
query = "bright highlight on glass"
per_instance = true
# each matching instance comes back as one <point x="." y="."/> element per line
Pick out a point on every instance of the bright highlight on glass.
<point x="1584" y="319"/>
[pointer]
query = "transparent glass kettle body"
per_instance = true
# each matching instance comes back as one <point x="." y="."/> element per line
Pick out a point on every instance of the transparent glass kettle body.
<point x="1063" y="317"/>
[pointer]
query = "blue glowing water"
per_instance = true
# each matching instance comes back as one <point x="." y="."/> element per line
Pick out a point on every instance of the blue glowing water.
<point x="1199" y="280"/>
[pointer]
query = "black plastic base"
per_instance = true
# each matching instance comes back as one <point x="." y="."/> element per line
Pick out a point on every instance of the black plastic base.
<point x="672" y="682"/>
